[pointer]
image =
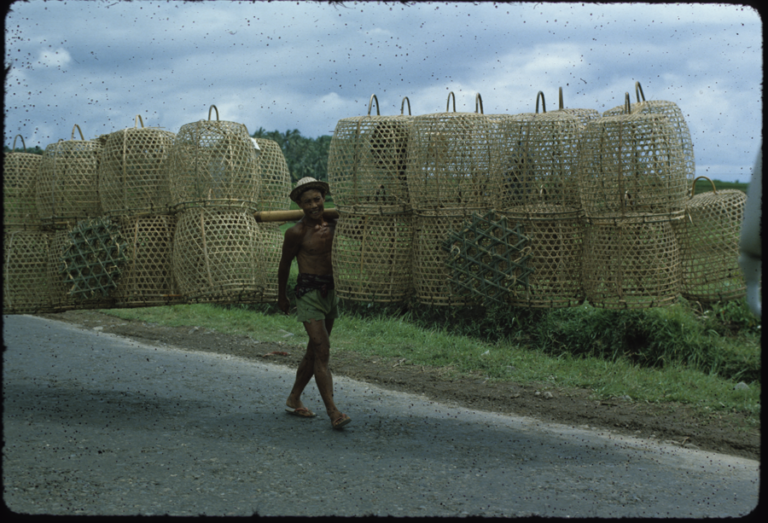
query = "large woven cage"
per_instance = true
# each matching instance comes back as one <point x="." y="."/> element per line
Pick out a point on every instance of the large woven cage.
<point x="218" y="256"/>
<point x="25" y="271"/>
<point x="675" y="116"/>
<point x="556" y="239"/>
<point x="540" y="163"/>
<point x="372" y="257"/>
<point x="134" y="171"/>
<point x="431" y="275"/>
<point x="454" y="162"/>
<point x="147" y="280"/>
<point x="367" y="162"/>
<point x="631" y="164"/>
<point x="631" y="263"/>
<point x="214" y="164"/>
<point x="271" y="238"/>
<point x="20" y="172"/>
<point x="274" y="175"/>
<point x="67" y="187"/>
<point x="584" y="115"/>
<point x="709" y="246"/>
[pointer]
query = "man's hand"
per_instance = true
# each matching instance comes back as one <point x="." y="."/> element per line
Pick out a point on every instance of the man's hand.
<point x="283" y="304"/>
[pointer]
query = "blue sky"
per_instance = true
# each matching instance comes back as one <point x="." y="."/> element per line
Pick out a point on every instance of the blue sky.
<point x="306" y="65"/>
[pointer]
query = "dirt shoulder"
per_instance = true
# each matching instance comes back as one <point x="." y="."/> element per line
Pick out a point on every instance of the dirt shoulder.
<point x="726" y="433"/>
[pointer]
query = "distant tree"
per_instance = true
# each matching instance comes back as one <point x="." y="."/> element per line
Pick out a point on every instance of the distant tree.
<point x="30" y="150"/>
<point x="304" y="156"/>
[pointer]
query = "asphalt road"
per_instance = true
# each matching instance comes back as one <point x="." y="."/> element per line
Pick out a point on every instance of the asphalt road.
<point x="98" y="424"/>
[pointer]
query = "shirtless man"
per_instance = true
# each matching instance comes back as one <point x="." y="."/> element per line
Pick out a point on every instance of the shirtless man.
<point x="310" y="242"/>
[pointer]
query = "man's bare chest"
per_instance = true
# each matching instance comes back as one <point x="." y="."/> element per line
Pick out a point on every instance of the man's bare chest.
<point x="319" y="240"/>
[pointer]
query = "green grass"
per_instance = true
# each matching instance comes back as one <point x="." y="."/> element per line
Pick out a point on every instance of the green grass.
<point x="672" y="354"/>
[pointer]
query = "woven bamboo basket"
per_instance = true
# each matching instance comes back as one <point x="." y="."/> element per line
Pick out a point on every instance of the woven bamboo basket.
<point x="431" y="276"/>
<point x="584" y="115"/>
<point x="675" y="115"/>
<point x="134" y="171"/>
<point x="556" y="237"/>
<point x="218" y="256"/>
<point x="67" y="187"/>
<point x="367" y="162"/>
<point x="709" y="245"/>
<point x="214" y="164"/>
<point x="372" y="257"/>
<point x="147" y="280"/>
<point x="274" y="175"/>
<point x="25" y="271"/>
<point x="631" y="263"/>
<point x="454" y="162"/>
<point x="20" y="171"/>
<point x="541" y="159"/>
<point x="631" y="164"/>
<point x="272" y="243"/>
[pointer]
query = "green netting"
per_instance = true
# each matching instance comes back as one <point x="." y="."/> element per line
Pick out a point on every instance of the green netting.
<point x="94" y="260"/>
<point x="488" y="259"/>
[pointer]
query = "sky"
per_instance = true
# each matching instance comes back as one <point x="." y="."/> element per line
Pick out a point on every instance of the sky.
<point x="306" y="65"/>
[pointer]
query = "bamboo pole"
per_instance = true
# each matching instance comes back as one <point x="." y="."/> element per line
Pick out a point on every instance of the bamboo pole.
<point x="289" y="216"/>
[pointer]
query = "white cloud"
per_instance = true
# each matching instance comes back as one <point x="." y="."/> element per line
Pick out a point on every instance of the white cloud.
<point x="58" y="58"/>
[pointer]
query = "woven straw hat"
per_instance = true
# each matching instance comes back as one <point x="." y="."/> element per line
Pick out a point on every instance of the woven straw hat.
<point x="308" y="183"/>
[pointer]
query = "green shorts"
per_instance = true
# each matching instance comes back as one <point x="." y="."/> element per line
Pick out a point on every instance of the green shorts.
<point x="312" y="306"/>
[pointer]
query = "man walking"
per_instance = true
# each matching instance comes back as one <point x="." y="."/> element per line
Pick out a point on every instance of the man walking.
<point x="310" y="242"/>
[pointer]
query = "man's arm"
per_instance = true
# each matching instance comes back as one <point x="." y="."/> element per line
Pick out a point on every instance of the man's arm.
<point x="291" y="247"/>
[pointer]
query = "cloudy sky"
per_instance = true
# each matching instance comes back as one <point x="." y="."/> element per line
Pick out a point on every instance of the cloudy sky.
<point x="306" y="65"/>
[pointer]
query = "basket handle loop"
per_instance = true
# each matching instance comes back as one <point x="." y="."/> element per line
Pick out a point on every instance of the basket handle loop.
<point x="137" y="120"/>
<point x="78" y="130"/>
<point x="22" y="143"/>
<point x="627" y="105"/>
<point x="543" y="103"/>
<point x="639" y="92"/>
<point x="448" y="102"/>
<point x="560" y="96"/>
<point x="693" y="189"/>
<point x="370" y="105"/>
<point x="402" y="105"/>
<point x="209" y="113"/>
<point x="479" y="99"/>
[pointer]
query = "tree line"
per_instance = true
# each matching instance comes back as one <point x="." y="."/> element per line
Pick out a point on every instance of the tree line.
<point x="304" y="156"/>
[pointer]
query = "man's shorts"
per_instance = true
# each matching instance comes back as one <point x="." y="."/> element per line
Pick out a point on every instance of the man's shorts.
<point x="312" y="306"/>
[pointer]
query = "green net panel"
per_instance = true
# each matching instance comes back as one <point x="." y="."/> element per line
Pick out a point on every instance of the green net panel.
<point x="94" y="259"/>
<point x="488" y="260"/>
<point x="134" y="171"/>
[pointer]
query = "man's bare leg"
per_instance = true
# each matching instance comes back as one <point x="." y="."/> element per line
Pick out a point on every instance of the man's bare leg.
<point x="305" y="372"/>
<point x="320" y="344"/>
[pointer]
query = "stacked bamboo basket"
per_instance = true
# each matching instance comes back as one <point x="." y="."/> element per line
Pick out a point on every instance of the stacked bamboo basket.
<point x="367" y="174"/>
<point x="25" y="241"/>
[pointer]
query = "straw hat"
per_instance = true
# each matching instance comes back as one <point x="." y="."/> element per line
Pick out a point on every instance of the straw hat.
<point x="308" y="183"/>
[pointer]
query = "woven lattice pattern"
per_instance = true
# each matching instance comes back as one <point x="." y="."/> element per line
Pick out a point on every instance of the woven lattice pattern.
<point x="454" y="162"/>
<point x="214" y="163"/>
<point x="58" y="287"/>
<point x="675" y="116"/>
<point x="147" y="278"/>
<point x="94" y="259"/>
<point x="431" y="275"/>
<point x="709" y="246"/>
<point x="367" y="163"/>
<point x="20" y="172"/>
<point x="631" y="164"/>
<point x="134" y="172"/>
<point x="584" y="115"/>
<point x="275" y="177"/>
<point x="25" y="271"/>
<point x="217" y="256"/>
<point x="372" y="257"/>
<point x="631" y="265"/>
<point x="271" y="238"/>
<point x="540" y="163"/>
<point x="488" y="260"/>
<point x="67" y="186"/>
<point x="556" y="251"/>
